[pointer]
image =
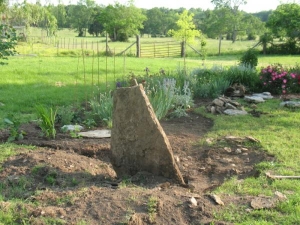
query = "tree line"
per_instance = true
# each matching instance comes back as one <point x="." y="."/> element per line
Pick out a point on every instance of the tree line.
<point x="121" y="21"/>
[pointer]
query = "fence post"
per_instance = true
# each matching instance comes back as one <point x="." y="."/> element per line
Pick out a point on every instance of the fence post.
<point x="138" y="46"/>
<point x="106" y="44"/>
<point x="182" y="49"/>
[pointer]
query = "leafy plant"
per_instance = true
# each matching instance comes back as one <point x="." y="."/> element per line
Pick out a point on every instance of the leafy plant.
<point x="75" y="133"/>
<point x="65" y="115"/>
<point x="13" y="125"/>
<point x="7" y="47"/>
<point x="249" y="59"/>
<point x="152" y="208"/>
<point x="47" y="120"/>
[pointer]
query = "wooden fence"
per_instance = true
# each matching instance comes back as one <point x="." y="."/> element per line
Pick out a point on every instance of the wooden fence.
<point x="161" y="49"/>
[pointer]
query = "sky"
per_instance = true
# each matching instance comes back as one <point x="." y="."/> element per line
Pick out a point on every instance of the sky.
<point x="252" y="6"/>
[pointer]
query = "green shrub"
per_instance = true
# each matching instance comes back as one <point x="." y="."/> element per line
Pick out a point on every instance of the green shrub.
<point x="249" y="59"/>
<point x="244" y="75"/>
<point x="209" y="83"/>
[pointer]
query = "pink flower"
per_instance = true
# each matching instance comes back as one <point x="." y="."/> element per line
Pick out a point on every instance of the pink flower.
<point x="284" y="81"/>
<point x="283" y="86"/>
<point x="265" y="83"/>
<point x="293" y="75"/>
<point x="283" y="91"/>
<point x="260" y="77"/>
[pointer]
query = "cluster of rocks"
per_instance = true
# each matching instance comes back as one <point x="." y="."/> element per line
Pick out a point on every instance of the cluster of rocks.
<point x="224" y="105"/>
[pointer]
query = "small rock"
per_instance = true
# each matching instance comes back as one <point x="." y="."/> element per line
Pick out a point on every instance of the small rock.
<point x="255" y="99"/>
<point x="193" y="201"/>
<point x="213" y="110"/>
<point x="1" y="104"/>
<point x="217" y="199"/>
<point x="248" y="210"/>
<point x="218" y="102"/>
<point x="229" y="106"/>
<point x="209" y="141"/>
<point x="280" y="196"/>
<point x="227" y="149"/>
<point x="238" y="151"/>
<point x="72" y="128"/>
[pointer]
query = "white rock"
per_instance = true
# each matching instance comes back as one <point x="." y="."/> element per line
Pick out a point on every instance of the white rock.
<point x="193" y="201"/>
<point x="96" y="134"/>
<point x="72" y="127"/>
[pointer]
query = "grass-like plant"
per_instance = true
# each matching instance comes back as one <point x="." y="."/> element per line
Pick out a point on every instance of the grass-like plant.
<point x="101" y="109"/>
<point x="243" y="74"/>
<point x="161" y="94"/>
<point x="47" y="120"/>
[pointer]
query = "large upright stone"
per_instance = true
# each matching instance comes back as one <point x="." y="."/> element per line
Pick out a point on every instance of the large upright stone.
<point x="138" y="142"/>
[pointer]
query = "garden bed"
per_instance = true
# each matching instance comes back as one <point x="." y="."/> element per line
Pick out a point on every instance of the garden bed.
<point x="72" y="181"/>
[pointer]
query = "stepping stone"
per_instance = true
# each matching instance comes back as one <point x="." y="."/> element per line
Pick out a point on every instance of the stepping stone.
<point x="96" y="134"/>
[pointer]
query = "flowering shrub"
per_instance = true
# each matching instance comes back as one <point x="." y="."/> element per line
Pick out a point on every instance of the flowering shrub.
<point x="278" y="80"/>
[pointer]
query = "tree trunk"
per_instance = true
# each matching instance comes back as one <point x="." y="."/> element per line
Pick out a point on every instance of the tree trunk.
<point x="220" y="41"/>
<point x="234" y="35"/>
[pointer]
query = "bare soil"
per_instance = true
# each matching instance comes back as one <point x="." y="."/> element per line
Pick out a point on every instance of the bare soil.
<point x="72" y="179"/>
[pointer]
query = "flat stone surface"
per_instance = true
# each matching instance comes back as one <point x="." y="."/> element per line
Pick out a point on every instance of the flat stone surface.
<point x="264" y="95"/>
<point x="235" y="112"/>
<point x="255" y="99"/>
<point x="96" y="134"/>
<point x="290" y="104"/>
<point x="263" y="202"/>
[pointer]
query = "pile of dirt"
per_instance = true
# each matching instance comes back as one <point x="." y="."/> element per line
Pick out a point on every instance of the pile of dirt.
<point x="72" y="180"/>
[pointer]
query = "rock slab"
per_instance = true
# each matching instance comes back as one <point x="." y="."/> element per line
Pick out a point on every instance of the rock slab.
<point x="138" y="142"/>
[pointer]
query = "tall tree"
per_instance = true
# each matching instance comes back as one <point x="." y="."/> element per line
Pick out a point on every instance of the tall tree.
<point x="285" y="22"/>
<point x="233" y="6"/>
<point x="159" y="21"/>
<point x="79" y="16"/>
<point x="186" y="31"/>
<point x="218" y="23"/>
<point x="122" y="21"/>
<point x="95" y="27"/>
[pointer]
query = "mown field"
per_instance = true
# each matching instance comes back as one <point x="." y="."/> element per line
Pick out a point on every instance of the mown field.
<point x="39" y="76"/>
